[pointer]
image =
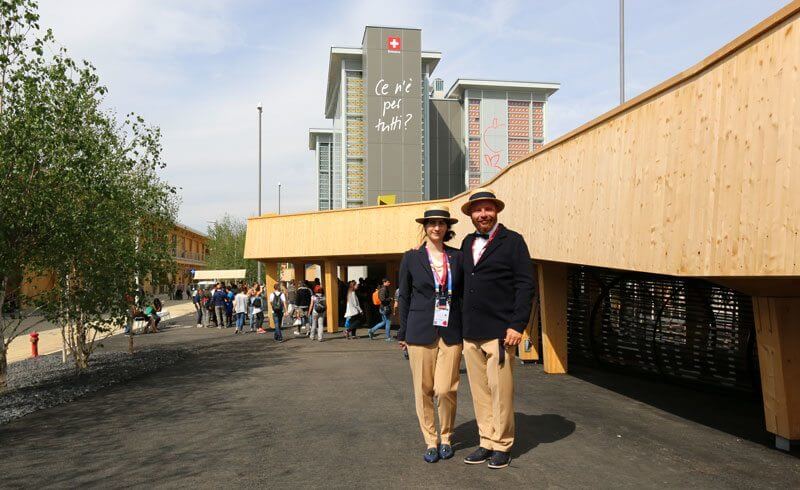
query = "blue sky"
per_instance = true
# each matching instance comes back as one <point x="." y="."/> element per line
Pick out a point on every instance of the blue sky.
<point x="198" y="69"/>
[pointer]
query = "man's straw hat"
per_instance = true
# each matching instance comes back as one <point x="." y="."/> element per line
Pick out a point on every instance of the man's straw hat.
<point x="482" y="194"/>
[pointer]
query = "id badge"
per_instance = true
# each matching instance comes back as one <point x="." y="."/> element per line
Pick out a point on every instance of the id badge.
<point x="441" y="315"/>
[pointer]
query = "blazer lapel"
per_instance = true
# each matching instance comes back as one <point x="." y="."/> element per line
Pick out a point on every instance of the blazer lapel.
<point x="468" y="259"/>
<point x="422" y="255"/>
<point x="494" y="244"/>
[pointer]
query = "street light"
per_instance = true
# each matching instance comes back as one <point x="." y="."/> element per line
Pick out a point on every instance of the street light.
<point x="279" y="198"/>
<point x="260" y="110"/>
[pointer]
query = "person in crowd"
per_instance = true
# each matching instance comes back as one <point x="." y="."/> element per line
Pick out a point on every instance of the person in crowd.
<point x="318" y="308"/>
<point x="257" y="311"/>
<point x="385" y="310"/>
<point x="303" y="304"/>
<point x="208" y="308"/>
<point x="229" y="294"/>
<point x="352" y="311"/>
<point x="197" y="301"/>
<point x="431" y="290"/>
<point x="277" y="301"/>
<point x="498" y="285"/>
<point x="251" y="296"/>
<point x="240" y="310"/>
<point x="219" y="299"/>
<point x="151" y="316"/>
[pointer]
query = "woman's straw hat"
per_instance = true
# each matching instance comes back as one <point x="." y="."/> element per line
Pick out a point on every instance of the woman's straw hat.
<point x="437" y="212"/>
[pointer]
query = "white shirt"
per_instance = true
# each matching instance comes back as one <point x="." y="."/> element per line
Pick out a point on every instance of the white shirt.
<point x="240" y="303"/>
<point x="272" y="296"/>
<point x="480" y="243"/>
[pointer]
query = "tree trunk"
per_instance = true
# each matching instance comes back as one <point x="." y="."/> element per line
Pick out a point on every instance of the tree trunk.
<point x="3" y="365"/>
<point x="81" y="348"/>
<point x="3" y="346"/>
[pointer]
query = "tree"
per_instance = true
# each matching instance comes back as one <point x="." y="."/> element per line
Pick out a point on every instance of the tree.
<point x="226" y="238"/>
<point x="25" y="188"/>
<point x="81" y="193"/>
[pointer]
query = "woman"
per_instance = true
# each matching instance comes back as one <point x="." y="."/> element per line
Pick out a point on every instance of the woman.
<point x="317" y="308"/>
<point x="352" y="311"/>
<point x="430" y="327"/>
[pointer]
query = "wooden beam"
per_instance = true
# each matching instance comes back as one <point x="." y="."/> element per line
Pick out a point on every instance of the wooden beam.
<point x="553" y="297"/>
<point x="271" y="271"/>
<point x="331" y="285"/>
<point x="778" y="337"/>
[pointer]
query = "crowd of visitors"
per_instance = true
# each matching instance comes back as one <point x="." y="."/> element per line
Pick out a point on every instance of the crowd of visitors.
<point x="298" y="305"/>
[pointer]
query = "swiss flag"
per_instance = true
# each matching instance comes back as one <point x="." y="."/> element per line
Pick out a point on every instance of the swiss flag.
<point x="393" y="44"/>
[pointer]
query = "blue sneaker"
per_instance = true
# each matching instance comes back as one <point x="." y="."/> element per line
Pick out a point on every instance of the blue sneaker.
<point x="446" y="451"/>
<point x="431" y="455"/>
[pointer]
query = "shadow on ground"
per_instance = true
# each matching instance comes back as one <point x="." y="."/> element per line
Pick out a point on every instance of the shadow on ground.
<point x="531" y="430"/>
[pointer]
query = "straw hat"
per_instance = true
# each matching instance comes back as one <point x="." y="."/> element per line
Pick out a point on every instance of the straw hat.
<point x="437" y="212"/>
<point x="482" y="194"/>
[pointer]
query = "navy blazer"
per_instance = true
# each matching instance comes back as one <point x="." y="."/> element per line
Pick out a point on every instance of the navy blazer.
<point x="417" y="298"/>
<point x="498" y="290"/>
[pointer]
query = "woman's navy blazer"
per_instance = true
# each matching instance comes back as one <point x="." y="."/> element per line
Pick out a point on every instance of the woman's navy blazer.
<point x="417" y="291"/>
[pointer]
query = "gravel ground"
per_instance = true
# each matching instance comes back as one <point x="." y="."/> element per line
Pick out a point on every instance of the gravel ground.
<point x="43" y="382"/>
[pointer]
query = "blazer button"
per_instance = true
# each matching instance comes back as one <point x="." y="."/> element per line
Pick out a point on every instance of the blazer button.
<point x="471" y="273"/>
<point x="471" y="290"/>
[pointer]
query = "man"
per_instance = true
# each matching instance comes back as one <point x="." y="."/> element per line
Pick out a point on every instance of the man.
<point x="219" y="299"/>
<point x="303" y="303"/>
<point x="240" y="303"/>
<point x="385" y="310"/>
<point x="197" y="301"/>
<point x="498" y="295"/>
<point x="277" y="300"/>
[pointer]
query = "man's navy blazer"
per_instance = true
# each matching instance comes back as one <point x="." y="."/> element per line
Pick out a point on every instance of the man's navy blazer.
<point x="417" y="298"/>
<point x="498" y="290"/>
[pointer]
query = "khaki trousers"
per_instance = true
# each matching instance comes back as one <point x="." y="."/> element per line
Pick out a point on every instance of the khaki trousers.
<point x="492" y="388"/>
<point x="434" y="371"/>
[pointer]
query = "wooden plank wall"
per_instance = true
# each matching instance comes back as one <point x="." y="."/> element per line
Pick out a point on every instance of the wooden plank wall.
<point x="697" y="177"/>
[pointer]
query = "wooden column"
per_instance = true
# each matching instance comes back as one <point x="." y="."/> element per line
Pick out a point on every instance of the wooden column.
<point x="299" y="271"/>
<point x="553" y="299"/>
<point x="392" y="273"/>
<point x="532" y="333"/>
<point x="331" y="285"/>
<point x="778" y="337"/>
<point x="270" y="279"/>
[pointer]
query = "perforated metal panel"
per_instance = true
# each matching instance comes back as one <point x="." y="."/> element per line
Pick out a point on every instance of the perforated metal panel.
<point x="686" y="329"/>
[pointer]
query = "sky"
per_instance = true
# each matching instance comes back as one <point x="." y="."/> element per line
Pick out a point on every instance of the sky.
<point x="198" y="69"/>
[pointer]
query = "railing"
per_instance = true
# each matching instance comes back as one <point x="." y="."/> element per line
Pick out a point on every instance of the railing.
<point x="185" y="255"/>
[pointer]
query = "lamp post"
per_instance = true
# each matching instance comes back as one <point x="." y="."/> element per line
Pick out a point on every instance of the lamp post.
<point x="279" y="198"/>
<point x="260" y="110"/>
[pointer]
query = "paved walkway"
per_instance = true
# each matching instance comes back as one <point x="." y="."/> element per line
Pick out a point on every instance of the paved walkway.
<point x="50" y="336"/>
<point x="247" y="412"/>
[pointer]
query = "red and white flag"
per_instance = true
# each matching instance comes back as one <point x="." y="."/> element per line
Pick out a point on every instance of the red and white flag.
<point x="393" y="44"/>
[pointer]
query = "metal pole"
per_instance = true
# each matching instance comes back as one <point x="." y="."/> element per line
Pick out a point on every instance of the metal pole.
<point x="259" y="179"/>
<point x="621" y="51"/>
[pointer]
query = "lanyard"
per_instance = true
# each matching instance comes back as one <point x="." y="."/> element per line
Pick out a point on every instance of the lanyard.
<point x="485" y="245"/>
<point x="439" y="281"/>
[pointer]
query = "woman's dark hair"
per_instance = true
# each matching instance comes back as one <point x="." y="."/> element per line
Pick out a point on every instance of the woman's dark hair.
<point x="448" y="235"/>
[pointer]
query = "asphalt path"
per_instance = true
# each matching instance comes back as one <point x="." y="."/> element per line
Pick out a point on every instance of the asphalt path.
<point x="244" y="411"/>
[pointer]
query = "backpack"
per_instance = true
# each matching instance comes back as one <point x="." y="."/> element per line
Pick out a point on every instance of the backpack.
<point x="319" y="305"/>
<point x="376" y="298"/>
<point x="257" y="302"/>
<point x="277" y="304"/>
